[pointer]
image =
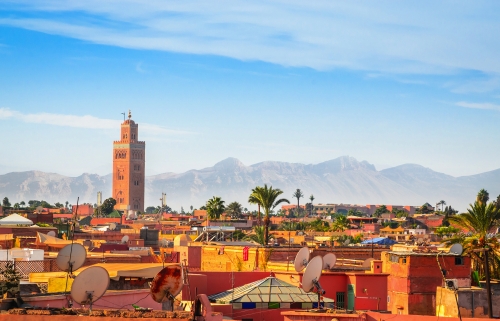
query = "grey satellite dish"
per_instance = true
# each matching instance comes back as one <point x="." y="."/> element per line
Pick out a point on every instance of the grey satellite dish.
<point x="163" y="243"/>
<point x="125" y="239"/>
<point x="112" y="226"/>
<point x="329" y="261"/>
<point x="301" y="259"/>
<point x="39" y="209"/>
<point x="367" y="263"/>
<point x="311" y="276"/>
<point x="71" y="257"/>
<point x="456" y="249"/>
<point x="90" y="285"/>
<point x="347" y="242"/>
<point x="51" y="233"/>
<point x="167" y="284"/>
<point x="420" y="240"/>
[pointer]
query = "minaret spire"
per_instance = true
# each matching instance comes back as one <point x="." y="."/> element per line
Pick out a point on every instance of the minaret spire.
<point x="129" y="114"/>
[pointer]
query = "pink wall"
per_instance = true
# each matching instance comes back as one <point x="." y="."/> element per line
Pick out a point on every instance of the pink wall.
<point x="111" y="300"/>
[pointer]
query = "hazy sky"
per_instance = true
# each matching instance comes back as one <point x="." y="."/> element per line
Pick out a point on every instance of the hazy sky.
<point x="300" y="81"/>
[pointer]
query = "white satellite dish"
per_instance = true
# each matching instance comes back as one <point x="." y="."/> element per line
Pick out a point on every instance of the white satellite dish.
<point x="125" y="239"/>
<point x="112" y="226"/>
<point x="163" y="243"/>
<point x="39" y="209"/>
<point x="90" y="285"/>
<point x="311" y="276"/>
<point x="456" y="249"/>
<point x="71" y="257"/>
<point x="51" y="233"/>
<point x="347" y="242"/>
<point x="367" y="263"/>
<point x="329" y="261"/>
<point x="301" y="259"/>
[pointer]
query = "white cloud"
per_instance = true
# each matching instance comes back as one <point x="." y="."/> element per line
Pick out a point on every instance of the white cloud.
<point x="85" y="121"/>
<point x="478" y="105"/>
<point x="428" y="37"/>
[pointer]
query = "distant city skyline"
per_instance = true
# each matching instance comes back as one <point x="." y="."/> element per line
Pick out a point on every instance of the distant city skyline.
<point x="389" y="83"/>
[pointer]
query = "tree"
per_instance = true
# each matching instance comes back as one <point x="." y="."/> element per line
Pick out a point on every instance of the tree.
<point x="298" y="194"/>
<point x="482" y="196"/>
<point x="234" y="210"/>
<point x="150" y="210"/>
<point x="6" y="202"/>
<point x="23" y="204"/>
<point x="108" y="206"/>
<point x="58" y="205"/>
<point x="215" y="207"/>
<point x="442" y="203"/>
<point x="341" y="224"/>
<point x="311" y="198"/>
<point x="267" y="198"/>
<point x="380" y="210"/>
<point x="446" y="231"/>
<point x="66" y="203"/>
<point x="291" y="226"/>
<point x="480" y="218"/>
<point x="259" y="235"/>
<point x="16" y="206"/>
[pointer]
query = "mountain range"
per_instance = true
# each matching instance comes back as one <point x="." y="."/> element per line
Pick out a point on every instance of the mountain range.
<point x="341" y="180"/>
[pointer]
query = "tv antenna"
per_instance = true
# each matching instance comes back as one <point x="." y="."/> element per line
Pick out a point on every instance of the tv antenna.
<point x="167" y="284"/>
<point x="301" y="259"/>
<point x="329" y="261"/>
<point x="310" y="279"/>
<point x="90" y="285"/>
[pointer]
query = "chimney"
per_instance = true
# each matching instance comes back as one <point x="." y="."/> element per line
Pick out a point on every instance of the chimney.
<point x="376" y="266"/>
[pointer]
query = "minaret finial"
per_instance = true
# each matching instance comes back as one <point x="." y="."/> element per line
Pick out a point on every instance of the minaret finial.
<point x="129" y="114"/>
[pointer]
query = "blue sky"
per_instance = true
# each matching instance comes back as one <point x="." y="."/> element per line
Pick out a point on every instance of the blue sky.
<point x="387" y="82"/>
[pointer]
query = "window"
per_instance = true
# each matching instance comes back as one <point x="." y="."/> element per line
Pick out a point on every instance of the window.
<point x="340" y="300"/>
<point x="136" y="183"/>
<point x="459" y="260"/>
<point x="403" y="260"/>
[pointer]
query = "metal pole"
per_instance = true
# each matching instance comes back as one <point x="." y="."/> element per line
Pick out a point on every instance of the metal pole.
<point x="488" y="286"/>
<point x="372" y="247"/>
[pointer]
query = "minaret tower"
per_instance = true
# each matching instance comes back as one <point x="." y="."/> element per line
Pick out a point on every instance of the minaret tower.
<point x="129" y="160"/>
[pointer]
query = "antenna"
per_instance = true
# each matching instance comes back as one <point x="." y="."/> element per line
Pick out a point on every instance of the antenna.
<point x="456" y="249"/>
<point x="329" y="261"/>
<point x="167" y="284"/>
<point x="90" y="285"/>
<point x="301" y="259"/>
<point x="71" y="257"/>
<point x="125" y="239"/>
<point x="51" y="233"/>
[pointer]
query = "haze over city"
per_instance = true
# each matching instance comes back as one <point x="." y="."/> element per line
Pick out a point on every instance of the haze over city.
<point x="390" y="83"/>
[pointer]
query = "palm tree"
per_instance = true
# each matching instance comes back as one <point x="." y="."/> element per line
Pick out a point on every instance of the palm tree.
<point x="311" y="198"/>
<point x="483" y="196"/>
<point x="340" y="224"/>
<point x="442" y="203"/>
<point x="480" y="218"/>
<point x="258" y="236"/>
<point x="267" y="198"/>
<point x="298" y="194"/>
<point x="215" y="207"/>
<point x="234" y="210"/>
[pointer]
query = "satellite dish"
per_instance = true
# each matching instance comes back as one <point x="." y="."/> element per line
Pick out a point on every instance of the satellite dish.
<point x="112" y="226"/>
<point x="90" y="285"/>
<point x="71" y="257"/>
<point x="163" y="243"/>
<point x="39" y="209"/>
<point x="347" y="242"/>
<point x="125" y="239"/>
<point x="301" y="259"/>
<point x="167" y="283"/>
<point x="51" y="233"/>
<point x="420" y="240"/>
<point x="456" y="249"/>
<point x="312" y="274"/>
<point x="367" y="263"/>
<point x="329" y="261"/>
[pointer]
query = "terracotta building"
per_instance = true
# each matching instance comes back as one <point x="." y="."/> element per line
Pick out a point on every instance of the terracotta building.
<point x="129" y="159"/>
